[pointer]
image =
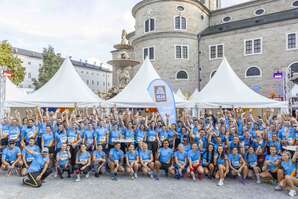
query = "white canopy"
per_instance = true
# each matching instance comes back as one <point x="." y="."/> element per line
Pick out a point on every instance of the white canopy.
<point x="14" y="96"/>
<point x="294" y="91"/>
<point x="64" y="89"/>
<point x="194" y="94"/>
<point x="226" y="89"/>
<point x="135" y="94"/>
<point x="180" y="94"/>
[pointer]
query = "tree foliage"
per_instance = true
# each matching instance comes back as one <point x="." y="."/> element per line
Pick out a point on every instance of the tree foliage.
<point x="12" y="62"/>
<point x="51" y="64"/>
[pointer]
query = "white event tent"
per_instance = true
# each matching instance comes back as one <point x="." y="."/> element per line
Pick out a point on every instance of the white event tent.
<point x="64" y="89"/>
<point x="180" y="94"/>
<point x="14" y="96"/>
<point x="135" y="94"/>
<point x="226" y="89"/>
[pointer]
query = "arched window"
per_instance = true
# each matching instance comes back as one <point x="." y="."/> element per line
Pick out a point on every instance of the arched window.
<point x="253" y="71"/>
<point x="150" y="25"/>
<point x="226" y="19"/>
<point x="180" y="23"/>
<point x="182" y="75"/>
<point x="295" y="4"/>
<point x="293" y="68"/>
<point x="212" y="74"/>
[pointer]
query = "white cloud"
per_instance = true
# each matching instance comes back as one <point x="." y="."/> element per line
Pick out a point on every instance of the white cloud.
<point x="81" y="28"/>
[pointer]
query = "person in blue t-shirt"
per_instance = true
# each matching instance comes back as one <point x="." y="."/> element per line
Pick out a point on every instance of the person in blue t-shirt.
<point x="12" y="158"/>
<point x="237" y="164"/>
<point x="115" y="163"/>
<point x="38" y="169"/>
<point x="63" y="161"/>
<point x="146" y="160"/>
<point x="132" y="165"/>
<point x="28" y="157"/>
<point x="290" y="180"/>
<point x="180" y="160"/>
<point x="88" y="137"/>
<point x="60" y="137"/>
<point x="221" y="164"/>
<point x="194" y="160"/>
<point x="251" y="159"/>
<point x="271" y="166"/>
<point x="164" y="159"/>
<point x="99" y="160"/>
<point x="47" y="140"/>
<point x="83" y="162"/>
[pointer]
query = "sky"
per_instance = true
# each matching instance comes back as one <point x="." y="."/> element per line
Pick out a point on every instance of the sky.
<point x="83" y="29"/>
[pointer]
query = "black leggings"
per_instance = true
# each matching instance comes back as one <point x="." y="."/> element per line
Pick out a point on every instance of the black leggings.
<point x="78" y="169"/>
<point x="32" y="181"/>
<point x="61" y="170"/>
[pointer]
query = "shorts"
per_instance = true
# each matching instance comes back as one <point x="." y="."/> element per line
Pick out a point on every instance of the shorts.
<point x="273" y="174"/>
<point x="165" y="166"/>
<point x="194" y="168"/>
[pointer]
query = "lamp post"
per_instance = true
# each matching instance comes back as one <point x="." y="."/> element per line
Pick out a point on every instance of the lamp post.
<point x="2" y="91"/>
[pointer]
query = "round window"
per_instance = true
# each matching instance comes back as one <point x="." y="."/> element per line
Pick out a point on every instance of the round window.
<point x="295" y="3"/>
<point x="226" y="19"/>
<point x="180" y="8"/>
<point x="259" y="12"/>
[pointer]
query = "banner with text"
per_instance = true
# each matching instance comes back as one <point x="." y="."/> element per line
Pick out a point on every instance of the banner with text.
<point x="163" y="96"/>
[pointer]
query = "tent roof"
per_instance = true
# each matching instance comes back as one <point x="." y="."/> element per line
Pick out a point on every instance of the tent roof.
<point x="294" y="91"/>
<point x="64" y="89"/>
<point x="226" y="89"/>
<point x="135" y="94"/>
<point x="180" y="94"/>
<point x="14" y="95"/>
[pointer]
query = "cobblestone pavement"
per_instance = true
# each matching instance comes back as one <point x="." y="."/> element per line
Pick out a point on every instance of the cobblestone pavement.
<point x="142" y="188"/>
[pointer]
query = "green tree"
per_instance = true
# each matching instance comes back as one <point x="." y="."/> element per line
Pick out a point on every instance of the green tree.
<point x="12" y="62"/>
<point x="51" y="64"/>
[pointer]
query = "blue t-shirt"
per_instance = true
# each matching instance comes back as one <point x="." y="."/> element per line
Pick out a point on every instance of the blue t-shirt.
<point x="220" y="160"/>
<point x="28" y="156"/>
<point x="114" y="135"/>
<point x="63" y="157"/>
<point x="14" y="133"/>
<point x="83" y="157"/>
<point x="100" y="135"/>
<point x="151" y="135"/>
<point x="11" y="155"/>
<point x="140" y="135"/>
<point x="60" y="138"/>
<point x="194" y="156"/>
<point x="37" y="163"/>
<point x="235" y="160"/>
<point x="163" y="135"/>
<point x="131" y="156"/>
<point x="71" y="136"/>
<point x="99" y="155"/>
<point x="206" y="158"/>
<point x="251" y="159"/>
<point x="29" y="132"/>
<point x="288" y="167"/>
<point x="145" y="155"/>
<point x="129" y="134"/>
<point x="89" y="137"/>
<point x="165" y="155"/>
<point x="272" y="160"/>
<point x="116" y="154"/>
<point x="181" y="156"/>
<point x="48" y="139"/>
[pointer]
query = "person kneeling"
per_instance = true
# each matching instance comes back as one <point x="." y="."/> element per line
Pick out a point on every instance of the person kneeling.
<point x="38" y="169"/>
<point x="165" y="155"/>
<point x="11" y="158"/>
<point x="63" y="161"/>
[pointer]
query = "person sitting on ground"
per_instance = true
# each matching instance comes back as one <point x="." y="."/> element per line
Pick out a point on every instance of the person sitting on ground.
<point x="131" y="159"/>
<point x="27" y="157"/>
<point x="290" y="180"/>
<point x="115" y="163"/>
<point x="252" y="163"/>
<point x="146" y="160"/>
<point x="194" y="160"/>
<point x="180" y="161"/>
<point x="238" y="165"/>
<point x="38" y="169"/>
<point x="12" y="158"/>
<point x="99" y="160"/>
<point x="83" y="162"/>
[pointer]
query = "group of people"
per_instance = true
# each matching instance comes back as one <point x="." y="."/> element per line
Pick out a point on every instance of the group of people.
<point x="225" y="143"/>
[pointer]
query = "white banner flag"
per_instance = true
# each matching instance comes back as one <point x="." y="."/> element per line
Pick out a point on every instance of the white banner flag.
<point x="163" y="96"/>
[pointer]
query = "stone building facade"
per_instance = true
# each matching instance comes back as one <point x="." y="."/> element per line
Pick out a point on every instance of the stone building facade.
<point x="187" y="39"/>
